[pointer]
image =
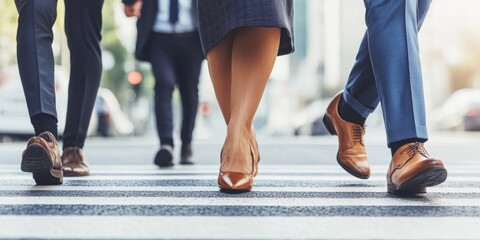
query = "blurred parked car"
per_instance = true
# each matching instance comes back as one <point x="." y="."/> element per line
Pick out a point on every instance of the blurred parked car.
<point x="461" y="111"/>
<point x="309" y="120"/>
<point x="471" y="120"/>
<point x="14" y="118"/>
<point x="112" y="121"/>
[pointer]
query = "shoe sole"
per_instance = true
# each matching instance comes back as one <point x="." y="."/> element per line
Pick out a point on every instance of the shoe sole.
<point x="348" y="170"/>
<point x="164" y="154"/>
<point x="186" y="163"/>
<point x="234" y="191"/>
<point x="36" y="160"/>
<point x="329" y="126"/>
<point x="74" y="174"/>
<point x="418" y="183"/>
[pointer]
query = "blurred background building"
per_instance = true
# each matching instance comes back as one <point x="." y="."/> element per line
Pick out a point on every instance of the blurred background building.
<point x="327" y="36"/>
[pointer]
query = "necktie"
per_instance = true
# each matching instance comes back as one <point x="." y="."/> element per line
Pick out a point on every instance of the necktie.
<point x="173" y="11"/>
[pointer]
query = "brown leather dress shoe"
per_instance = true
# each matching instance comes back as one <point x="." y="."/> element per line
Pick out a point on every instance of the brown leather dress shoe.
<point x="74" y="163"/>
<point x="351" y="153"/>
<point x="412" y="170"/>
<point x="237" y="182"/>
<point x="42" y="158"/>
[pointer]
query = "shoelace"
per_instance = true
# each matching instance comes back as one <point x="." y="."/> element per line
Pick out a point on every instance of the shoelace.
<point x="415" y="148"/>
<point x="46" y="136"/>
<point x="358" y="132"/>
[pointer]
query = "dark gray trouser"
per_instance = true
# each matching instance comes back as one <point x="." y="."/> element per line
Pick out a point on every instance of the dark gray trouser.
<point x="83" y="23"/>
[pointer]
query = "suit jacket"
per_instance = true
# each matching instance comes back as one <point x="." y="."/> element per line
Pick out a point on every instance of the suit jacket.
<point x="145" y="25"/>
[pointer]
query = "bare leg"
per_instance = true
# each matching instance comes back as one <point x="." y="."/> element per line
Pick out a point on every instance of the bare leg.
<point x="220" y="67"/>
<point x="253" y="51"/>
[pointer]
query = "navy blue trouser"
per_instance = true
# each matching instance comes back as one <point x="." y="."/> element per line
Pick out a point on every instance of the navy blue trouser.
<point x="83" y="23"/>
<point x="176" y="60"/>
<point x="387" y="68"/>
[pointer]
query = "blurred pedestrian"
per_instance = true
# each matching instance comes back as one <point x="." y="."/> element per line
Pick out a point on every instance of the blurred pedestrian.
<point x="168" y="38"/>
<point x="387" y="71"/>
<point x="241" y="39"/>
<point x="83" y="22"/>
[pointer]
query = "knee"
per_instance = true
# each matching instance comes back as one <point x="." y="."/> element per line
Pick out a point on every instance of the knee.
<point x="164" y="89"/>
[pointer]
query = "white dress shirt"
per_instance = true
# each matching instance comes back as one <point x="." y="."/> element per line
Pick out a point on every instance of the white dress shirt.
<point x="185" y="18"/>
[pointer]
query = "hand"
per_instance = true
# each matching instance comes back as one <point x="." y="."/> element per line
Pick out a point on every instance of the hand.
<point x="133" y="10"/>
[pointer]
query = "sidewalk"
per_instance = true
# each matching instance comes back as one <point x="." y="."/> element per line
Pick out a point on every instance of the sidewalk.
<point x="449" y="146"/>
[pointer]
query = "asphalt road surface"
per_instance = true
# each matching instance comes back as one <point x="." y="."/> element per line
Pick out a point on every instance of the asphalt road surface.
<point x="300" y="193"/>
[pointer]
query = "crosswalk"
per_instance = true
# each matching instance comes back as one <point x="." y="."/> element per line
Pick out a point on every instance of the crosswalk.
<point x="288" y="202"/>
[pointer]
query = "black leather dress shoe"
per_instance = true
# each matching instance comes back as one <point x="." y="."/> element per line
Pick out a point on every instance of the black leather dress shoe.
<point x="186" y="155"/>
<point x="164" y="157"/>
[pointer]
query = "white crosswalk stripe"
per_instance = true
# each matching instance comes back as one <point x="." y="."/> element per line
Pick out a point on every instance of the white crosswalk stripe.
<point x="288" y="202"/>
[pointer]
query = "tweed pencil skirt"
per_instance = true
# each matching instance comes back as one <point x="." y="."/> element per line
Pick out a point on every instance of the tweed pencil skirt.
<point x="218" y="17"/>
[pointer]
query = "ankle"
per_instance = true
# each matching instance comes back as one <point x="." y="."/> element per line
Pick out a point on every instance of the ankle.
<point x="166" y="141"/>
<point x="45" y="123"/>
<point x="239" y="131"/>
<point x="349" y="114"/>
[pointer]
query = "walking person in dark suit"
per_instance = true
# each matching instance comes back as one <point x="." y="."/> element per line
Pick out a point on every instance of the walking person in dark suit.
<point x="83" y="22"/>
<point x="168" y="38"/>
<point x="241" y="40"/>
<point x="387" y="71"/>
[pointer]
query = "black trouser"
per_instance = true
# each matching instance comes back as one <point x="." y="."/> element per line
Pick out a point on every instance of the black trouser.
<point x="83" y="23"/>
<point x="176" y="60"/>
